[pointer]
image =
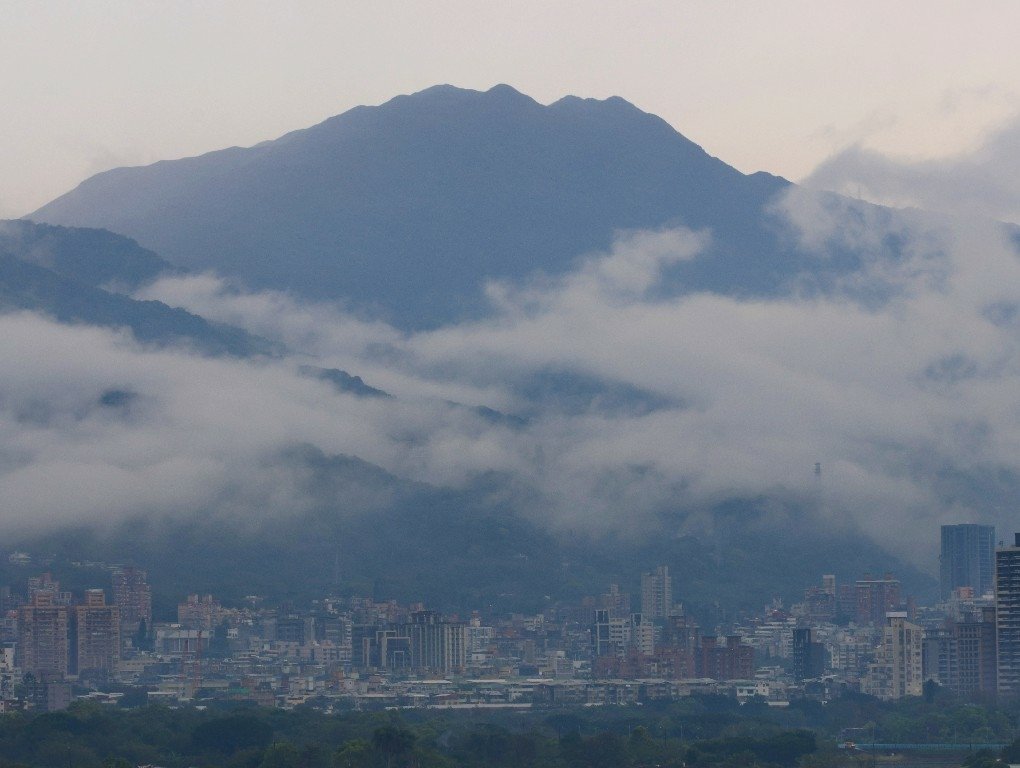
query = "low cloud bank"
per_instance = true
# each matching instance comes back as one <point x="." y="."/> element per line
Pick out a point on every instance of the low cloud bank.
<point x="909" y="404"/>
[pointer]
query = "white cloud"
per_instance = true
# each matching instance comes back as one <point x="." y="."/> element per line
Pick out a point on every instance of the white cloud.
<point x="910" y="404"/>
<point x="984" y="181"/>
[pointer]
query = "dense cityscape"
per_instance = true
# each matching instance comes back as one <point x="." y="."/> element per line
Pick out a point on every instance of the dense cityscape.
<point x="340" y="653"/>
<point x="449" y="385"/>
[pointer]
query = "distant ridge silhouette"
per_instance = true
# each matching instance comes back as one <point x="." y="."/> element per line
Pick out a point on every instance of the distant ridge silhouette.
<point x="408" y="207"/>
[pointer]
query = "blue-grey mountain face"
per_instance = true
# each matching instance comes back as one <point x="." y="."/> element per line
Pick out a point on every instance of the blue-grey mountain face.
<point x="410" y="206"/>
<point x="342" y="381"/>
<point x="73" y="275"/>
<point x="93" y="256"/>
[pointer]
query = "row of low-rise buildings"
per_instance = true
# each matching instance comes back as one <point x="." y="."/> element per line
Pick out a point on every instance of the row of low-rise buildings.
<point x="601" y="640"/>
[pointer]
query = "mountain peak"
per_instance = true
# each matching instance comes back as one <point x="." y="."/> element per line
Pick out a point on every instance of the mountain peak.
<point x="446" y="93"/>
<point x="408" y="208"/>
<point x="615" y="102"/>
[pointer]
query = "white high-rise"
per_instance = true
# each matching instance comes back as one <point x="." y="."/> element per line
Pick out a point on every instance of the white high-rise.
<point x="656" y="594"/>
<point x="898" y="670"/>
<point x="1007" y="619"/>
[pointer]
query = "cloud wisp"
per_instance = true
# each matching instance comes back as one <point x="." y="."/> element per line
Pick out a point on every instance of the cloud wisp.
<point x="982" y="182"/>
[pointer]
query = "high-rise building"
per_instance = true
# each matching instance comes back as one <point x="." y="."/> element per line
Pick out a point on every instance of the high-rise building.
<point x="132" y="595"/>
<point x="734" y="660"/>
<point x="436" y="645"/>
<point x="967" y="558"/>
<point x="617" y="602"/>
<point x="846" y="602"/>
<point x="876" y="598"/>
<point x="618" y="636"/>
<point x="43" y="637"/>
<point x="975" y="650"/>
<point x="602" y="641"/>
<point x="821" y="602"/>
<point x="364" y="651"/>
<point x="46" y="583"/>
<point x="960" y="655"/>
<point x="394" y="649"/>
<point x="829" y="584"/>
<point x="642" y="634"/>
<point x="939" y="656"/>
<point x="656" y="594"/>
<point x="292" y="629"/>
<point x="1007" y="618"/>
<point x="200" y="612"/>
<point x="98" y="634"/>
<point x="8" y="678"/>
<point x="808" y="656"/>
<point x="898" y="669"/>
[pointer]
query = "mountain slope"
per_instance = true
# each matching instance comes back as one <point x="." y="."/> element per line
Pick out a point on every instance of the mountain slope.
<point x="409" y="206"/>
<point x="77" y="262"/>
<point x="93" y="256"/>
<point x="383" y="535"/>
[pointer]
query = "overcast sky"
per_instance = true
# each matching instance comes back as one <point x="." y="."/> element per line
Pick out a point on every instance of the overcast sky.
<point x="779" y="86"/>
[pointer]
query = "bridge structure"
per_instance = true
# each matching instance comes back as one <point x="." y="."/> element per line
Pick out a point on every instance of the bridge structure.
<point x="855" y="746"/>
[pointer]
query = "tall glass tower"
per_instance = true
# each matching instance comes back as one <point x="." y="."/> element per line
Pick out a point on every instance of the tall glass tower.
<point x="968" y="558"/>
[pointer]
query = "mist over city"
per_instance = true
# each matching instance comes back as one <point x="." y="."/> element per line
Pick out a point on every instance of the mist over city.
<point x="543" y="385"/>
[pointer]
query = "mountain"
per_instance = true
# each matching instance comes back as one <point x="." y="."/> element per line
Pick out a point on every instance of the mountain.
<point x="342" y="381"/>
<point x="455" y="549"/>
<point x="405" y="210"/>
<point x="65" y="272"/>
<point x="93" y="256"/>
<point x="409" y="207"/>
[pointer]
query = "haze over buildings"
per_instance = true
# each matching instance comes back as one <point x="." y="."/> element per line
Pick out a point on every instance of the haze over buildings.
<point x="504" y="384"/>
<point x="846" y="635"/>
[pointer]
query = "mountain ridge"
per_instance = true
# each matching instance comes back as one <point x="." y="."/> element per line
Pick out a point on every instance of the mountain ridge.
<point x="408" y="208"/>
<point x="66" y="274"/>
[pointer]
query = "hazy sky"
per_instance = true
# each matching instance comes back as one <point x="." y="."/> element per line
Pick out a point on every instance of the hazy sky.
<point x="779" y="86"/>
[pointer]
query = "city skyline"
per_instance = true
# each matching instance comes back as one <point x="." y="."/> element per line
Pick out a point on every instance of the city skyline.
<point x="862" y="633"/>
